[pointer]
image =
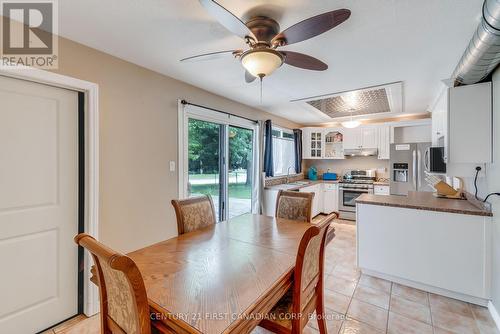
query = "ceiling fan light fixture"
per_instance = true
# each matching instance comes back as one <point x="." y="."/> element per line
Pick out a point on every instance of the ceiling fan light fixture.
<point x="261" y="62"/>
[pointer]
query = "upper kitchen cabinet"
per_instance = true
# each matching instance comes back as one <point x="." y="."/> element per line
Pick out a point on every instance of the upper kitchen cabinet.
<point x="470" y="124"/>
<point x="334" y="144"/>
<point x="312" y="143"/>
<point x="384" y="142"/>
<point x="360" y="138"/>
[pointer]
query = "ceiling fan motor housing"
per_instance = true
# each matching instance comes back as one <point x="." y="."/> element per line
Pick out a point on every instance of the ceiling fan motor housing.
<point x="264" y="28"/>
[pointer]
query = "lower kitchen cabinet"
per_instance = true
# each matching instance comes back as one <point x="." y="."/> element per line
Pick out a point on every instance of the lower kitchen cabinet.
<point x="381" y="190"/>
<point x="317" y="205"/>
<point x="330" y="197"/>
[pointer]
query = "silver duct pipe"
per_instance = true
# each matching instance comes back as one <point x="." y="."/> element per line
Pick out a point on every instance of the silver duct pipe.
<point x="483" y="53"/>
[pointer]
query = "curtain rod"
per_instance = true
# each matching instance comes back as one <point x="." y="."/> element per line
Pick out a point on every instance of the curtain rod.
<point x="184" y="102"/>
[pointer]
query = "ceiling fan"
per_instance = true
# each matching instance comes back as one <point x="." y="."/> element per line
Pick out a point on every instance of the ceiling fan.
<point x="263" y="38"/>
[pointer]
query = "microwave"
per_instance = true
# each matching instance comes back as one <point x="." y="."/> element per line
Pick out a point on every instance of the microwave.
<point x="434" y="160"/>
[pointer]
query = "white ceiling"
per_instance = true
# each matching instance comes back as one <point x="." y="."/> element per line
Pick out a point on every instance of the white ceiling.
<point x="418" y="42"/>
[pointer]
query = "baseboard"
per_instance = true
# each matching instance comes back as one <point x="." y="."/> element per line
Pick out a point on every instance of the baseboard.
<point x="494" y="314"/>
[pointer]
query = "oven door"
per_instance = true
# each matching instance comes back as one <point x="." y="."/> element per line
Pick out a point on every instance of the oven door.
<point x="348" y="198"/>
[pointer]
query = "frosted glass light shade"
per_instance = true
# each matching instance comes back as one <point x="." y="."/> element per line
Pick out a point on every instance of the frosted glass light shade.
<point x="351" y="124"/>
<point x="261" y="63"/>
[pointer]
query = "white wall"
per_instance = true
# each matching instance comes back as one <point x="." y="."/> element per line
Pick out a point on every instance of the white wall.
<point x="493" y="172"/>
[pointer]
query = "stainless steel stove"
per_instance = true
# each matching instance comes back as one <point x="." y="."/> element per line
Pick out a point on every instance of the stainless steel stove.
<point x="353" y="184"/>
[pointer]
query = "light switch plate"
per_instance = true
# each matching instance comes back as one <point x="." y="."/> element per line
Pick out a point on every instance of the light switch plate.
<point x="172" y="166"/>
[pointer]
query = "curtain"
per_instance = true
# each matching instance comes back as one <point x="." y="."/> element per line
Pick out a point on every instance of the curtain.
<point x="268" y="148"/>
<point x="297" y="138"/>
<point x="260" y="167"/>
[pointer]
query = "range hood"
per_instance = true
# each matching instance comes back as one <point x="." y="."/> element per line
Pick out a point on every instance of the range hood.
<point x="363" y="152"/>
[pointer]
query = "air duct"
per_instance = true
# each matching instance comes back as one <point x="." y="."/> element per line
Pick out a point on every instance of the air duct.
<point x="483" y="53"/>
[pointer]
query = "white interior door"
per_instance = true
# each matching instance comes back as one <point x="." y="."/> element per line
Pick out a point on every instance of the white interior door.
<point x="38" y="205"/>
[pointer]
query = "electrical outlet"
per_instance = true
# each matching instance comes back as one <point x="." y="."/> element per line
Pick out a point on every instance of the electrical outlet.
<point x="172" y="166"/>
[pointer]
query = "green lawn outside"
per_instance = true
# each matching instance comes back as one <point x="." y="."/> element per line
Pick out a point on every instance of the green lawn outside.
<point x="235" y="190"/>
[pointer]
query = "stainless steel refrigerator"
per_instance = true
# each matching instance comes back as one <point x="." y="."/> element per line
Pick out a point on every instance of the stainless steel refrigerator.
<point x="408" y="167"/>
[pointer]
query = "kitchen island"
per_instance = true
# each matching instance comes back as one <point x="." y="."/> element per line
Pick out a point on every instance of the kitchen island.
<point x="438" y="245"/>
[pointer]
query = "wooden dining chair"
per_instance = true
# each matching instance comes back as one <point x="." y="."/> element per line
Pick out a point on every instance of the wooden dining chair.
<point x="294" y="205"/>
<point x="124" y="303"/>
<point x="292" y="312"/>
<point x="194" y="213"/>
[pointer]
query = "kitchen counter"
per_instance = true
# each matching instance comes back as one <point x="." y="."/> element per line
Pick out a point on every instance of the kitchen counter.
<point x="293" y="187"/>
<point x="381" y="183"/>
<point x="425" y="201"/>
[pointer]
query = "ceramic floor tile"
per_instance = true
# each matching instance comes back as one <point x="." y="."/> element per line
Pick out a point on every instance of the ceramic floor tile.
<point x="412" y="294"/>
<point x="352" y="326"/>
<point x="336" y="301"/>
<point x="368" y="313"/>
<point x="441" y="303"/>
<point x="454" y="322"/>
<point x="87" y="326"/>
<point x="333" y="322"/>
<point x="399" y="324"/>
<point x="410" y="309"/>
<point x="372" y="296"/>
<point x="350" y="273"/>
<point x="340" y="285"/>
<point x="375" y="283"/>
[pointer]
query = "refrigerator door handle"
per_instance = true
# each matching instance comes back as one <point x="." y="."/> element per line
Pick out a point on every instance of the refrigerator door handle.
<point x="414" y="179"/>
<point x="426" y="159"/>
<point x="419" y="160"/>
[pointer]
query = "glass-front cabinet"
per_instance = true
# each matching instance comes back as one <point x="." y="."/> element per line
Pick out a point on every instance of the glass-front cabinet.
<point x="322" y="143"/>
<point x="316" y="147"/>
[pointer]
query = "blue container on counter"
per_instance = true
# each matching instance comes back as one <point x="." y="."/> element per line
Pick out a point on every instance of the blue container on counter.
<point x="312" y="174"/>
<point x="330" y="176"/>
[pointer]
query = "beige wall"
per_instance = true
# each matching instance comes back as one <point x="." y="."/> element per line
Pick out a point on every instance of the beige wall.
<point x="138" y="133"/>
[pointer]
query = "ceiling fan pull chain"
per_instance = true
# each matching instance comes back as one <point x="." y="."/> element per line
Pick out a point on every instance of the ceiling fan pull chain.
<point x="260" y="88"/>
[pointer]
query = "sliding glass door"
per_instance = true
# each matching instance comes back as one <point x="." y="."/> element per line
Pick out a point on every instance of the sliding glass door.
<point x="220" y="161"/>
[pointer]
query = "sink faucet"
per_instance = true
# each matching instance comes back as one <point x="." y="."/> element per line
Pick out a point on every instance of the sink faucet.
<point x="288" y="174"/>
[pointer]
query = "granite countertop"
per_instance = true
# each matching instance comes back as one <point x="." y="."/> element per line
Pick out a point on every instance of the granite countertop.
<point x="420" y="200"/>
<point x="292" y="186"/>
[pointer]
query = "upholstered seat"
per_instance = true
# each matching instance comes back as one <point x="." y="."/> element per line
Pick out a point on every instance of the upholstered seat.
<point x="292" y="312"/>
<point x="124" y="303"/>
<point x="294" y="205"/>
<point x="194" y="213"/>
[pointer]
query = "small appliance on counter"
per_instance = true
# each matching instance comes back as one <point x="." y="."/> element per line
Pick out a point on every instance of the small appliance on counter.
<point x="312" y="174"/>
<point x="329" y="176"/>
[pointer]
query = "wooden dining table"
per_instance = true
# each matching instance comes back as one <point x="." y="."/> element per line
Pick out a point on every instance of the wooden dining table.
<point x="223" y="278"/>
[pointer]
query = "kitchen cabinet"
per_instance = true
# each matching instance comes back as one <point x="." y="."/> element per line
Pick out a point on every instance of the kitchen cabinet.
<point x="330" y="197"/>
<point x="469" y="124"/>
<point x="312" y="143"/>
<point x="384" y="142"/>
<point x="334" y="144"/>
<point x="317" y="205"/>
<point x="381" y="190"/>
<point x="362" y="137"/>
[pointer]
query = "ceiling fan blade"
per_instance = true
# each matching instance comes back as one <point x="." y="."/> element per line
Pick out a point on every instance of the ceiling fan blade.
<point x="227" y="19"/>
<point x="313" y="26"/>
<point x="248" y="77"/>
<point x="303" y="61"/>
<point x="211" y="55"/>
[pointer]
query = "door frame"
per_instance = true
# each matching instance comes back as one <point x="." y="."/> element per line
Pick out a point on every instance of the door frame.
<point x="91" y="160"/>
<point x="219" y="118"/>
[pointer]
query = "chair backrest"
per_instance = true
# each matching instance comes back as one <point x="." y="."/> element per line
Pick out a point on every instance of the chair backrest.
<point x="124" y="303"/>
<point x="194" y="213"/>
<point x="308" y="274"/>
<point x="294" y="205"/>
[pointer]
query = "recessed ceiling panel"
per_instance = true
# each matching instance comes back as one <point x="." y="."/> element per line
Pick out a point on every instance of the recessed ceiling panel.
<point x="354" y="103"/>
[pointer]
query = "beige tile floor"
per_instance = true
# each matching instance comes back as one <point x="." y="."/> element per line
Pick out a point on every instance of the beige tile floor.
<point x="360" y="304"/>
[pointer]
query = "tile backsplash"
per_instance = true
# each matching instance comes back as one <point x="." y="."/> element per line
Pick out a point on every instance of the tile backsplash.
<point x="340" y="166"/>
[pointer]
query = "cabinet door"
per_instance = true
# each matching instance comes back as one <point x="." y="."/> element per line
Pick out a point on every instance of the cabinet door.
<point x="330" y="198"/>
<point x="352" y="139"/>
<point x="469" y="126"/>
<point x="369" y="137"/>
<point x="316" y="144"/>
<point x="384" y="146"/>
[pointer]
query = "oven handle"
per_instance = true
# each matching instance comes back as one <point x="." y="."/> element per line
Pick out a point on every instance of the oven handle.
<point x="356" y="190"/>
